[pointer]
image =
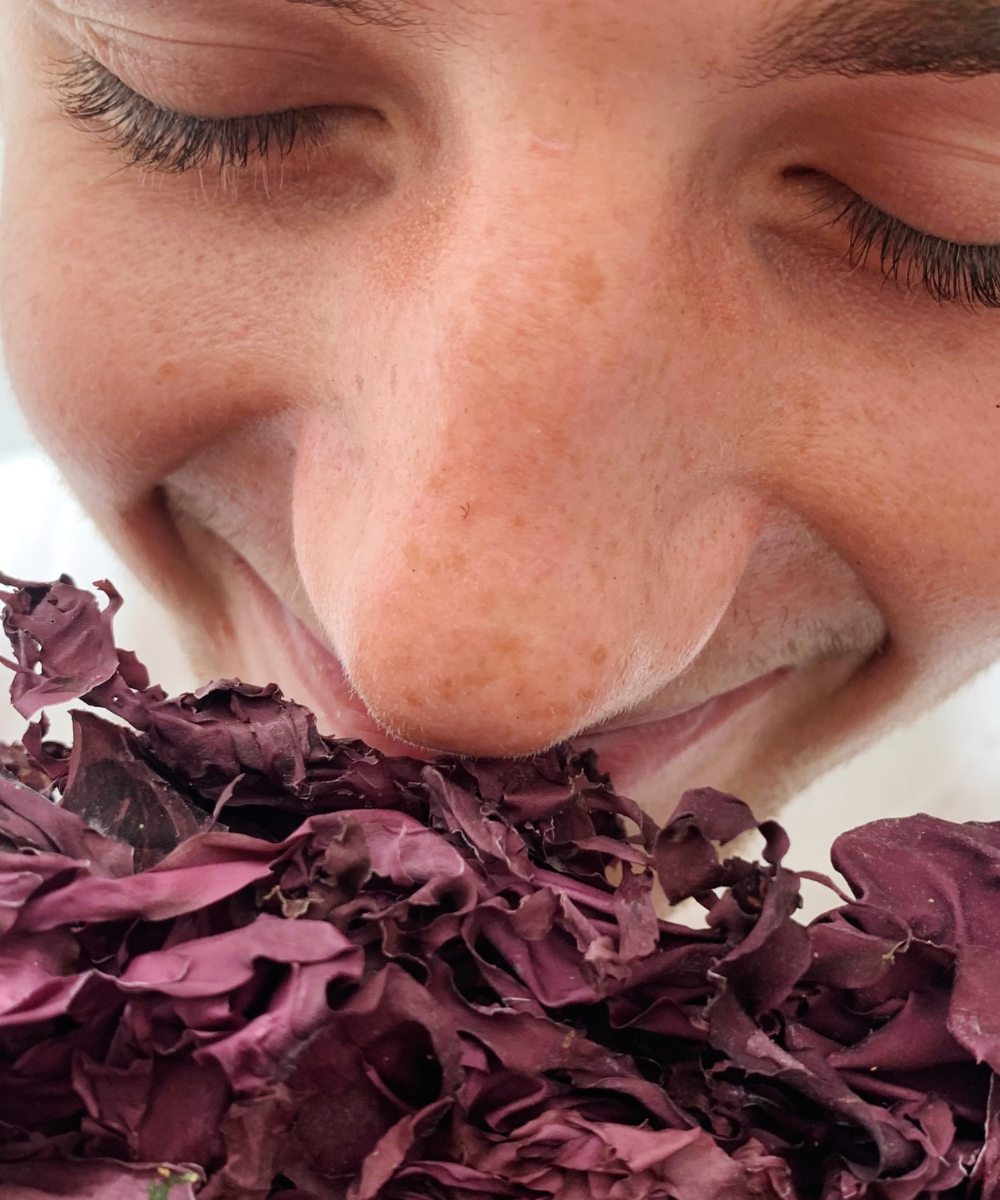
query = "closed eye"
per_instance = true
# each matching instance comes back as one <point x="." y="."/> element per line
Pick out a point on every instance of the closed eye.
<point x="965" y="273"/>
<point x="149" y="136"/>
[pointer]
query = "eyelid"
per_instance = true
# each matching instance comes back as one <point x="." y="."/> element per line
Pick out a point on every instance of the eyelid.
<point x="949" y="271"/>
<point x="164" y="139"/>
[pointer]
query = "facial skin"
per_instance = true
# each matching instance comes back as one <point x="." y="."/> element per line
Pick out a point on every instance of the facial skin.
<point x="543" y="395"/>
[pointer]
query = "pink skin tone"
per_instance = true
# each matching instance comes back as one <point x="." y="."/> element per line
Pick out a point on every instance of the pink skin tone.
<point x="541" y="397"/>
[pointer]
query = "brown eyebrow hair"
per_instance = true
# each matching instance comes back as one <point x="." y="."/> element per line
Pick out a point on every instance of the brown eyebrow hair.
<point x="956" y="38"/>
<point x="395" y="14"/>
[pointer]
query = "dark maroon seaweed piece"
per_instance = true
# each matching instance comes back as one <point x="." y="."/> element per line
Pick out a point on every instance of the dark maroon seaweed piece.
<point x="242" y="961"/>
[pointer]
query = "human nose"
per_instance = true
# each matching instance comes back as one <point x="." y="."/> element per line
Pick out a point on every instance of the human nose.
<point x="549" y="518"/>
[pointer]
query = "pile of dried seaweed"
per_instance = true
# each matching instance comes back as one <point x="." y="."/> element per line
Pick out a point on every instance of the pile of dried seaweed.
<point x="242" y="960"/>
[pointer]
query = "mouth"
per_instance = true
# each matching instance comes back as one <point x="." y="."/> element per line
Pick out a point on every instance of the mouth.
<point x="632" y="748"/>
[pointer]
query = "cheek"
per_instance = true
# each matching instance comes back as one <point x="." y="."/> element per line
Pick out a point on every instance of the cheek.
<point x="132" y="332"/>
<point x="96" y="341"/>
<point x="887" y="439"/>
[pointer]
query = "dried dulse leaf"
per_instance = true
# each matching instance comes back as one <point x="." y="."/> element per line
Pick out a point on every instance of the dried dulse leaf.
<point x="240" y="960"/>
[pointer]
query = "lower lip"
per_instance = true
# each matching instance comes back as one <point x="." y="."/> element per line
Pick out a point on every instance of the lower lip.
<point x="640" y="752"/>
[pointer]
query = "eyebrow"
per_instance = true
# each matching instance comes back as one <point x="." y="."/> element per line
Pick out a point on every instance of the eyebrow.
<point x="394" y="14"/>
<point x="956" y="38"/>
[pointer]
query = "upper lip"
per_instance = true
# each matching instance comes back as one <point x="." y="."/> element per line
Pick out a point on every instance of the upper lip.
<point x="637" y="718"/>
<point x="653" y="714"/>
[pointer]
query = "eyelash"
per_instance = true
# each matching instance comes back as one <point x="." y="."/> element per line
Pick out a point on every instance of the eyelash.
<point x="153" y="137"/>
<point x="950" y="272"/>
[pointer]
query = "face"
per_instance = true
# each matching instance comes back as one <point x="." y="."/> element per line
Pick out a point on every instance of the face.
<point x="490" y="375"/>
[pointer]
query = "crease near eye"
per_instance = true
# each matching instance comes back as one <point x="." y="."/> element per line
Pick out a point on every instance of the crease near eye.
<point x="147" y="135"/>
<point x="964" y="273"/>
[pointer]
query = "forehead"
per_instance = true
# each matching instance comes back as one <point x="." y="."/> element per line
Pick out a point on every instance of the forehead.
<point x="403" y="14"/>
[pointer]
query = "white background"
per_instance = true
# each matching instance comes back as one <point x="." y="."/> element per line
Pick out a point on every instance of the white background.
<point x="14" y="435"/>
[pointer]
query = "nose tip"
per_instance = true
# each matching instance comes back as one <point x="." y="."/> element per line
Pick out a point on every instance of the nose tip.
<point x="453" y="681"/>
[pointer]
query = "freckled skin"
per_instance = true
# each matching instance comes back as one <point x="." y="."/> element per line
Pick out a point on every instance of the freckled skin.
<point x="544" y="400"/>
